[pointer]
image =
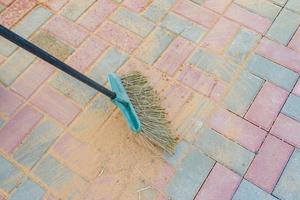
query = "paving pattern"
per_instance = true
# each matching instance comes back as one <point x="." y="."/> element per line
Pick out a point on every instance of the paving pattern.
<point x="227" y="71"/>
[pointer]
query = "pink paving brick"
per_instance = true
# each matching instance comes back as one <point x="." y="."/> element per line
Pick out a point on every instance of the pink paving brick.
<point x="174" y="56"/>
<point x="269" y="163"/>
<point x="220" y="35"/>
<point x="220" y="184"/>
<point x="287" y="129"/>
<point x="119" y="36"/>
<point x="217" y="5"/>
<point x="283" y="55"/>
<point x="15" y="12"/>
<point x="97" y="14"/>
<point x="218" y="91"/>
<point x="295" y="42"/>
<point x="88" y="52"/>
<point x="56" y="105"/>
<point x="297" y="88"/>
<point x="266" y="105"/>
<point x="197" y="80"/>
<point x="55" y="5"/>
<point x="248" y="19"/>
<point x="18" y="128"/>
<point x="9" y="101"/>
<point x="163" y="176"/>
<point x="66" y="30"/>
<point x="32" y="78"/>
<point x="191" y="11"/>
<point x="136" y="6"/>
<point x="237" y="129"/>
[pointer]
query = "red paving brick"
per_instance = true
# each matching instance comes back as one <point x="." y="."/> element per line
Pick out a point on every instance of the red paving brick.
<point x="237" y="129"/>
<point x="266" y="105"/>
<point x="9" y="101"/>
<point x="56" y="105"/>
<point x="220" y="184"/>
<point x="18" y="127"/>
<point x="269" y="163"/>
<point x="136" y="6"/>
<point x="287" y="129"/>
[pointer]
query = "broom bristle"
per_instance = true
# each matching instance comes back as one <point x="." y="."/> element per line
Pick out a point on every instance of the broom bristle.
<point x="155" y="126"/>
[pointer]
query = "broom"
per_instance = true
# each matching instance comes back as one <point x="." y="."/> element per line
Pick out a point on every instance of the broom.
<point x="131" y="93"/>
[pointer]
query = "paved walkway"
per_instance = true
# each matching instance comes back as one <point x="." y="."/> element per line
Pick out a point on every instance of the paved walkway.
<point x="227" y="72"/>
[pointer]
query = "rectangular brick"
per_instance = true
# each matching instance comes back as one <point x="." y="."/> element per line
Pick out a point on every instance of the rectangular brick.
<point x="288" y="184"/>
<point x="269" y="163"/>
<point x="296" y="89"/>
<point x="224" y="151"/>
<point x="218" y="91"/>
<point x="242" y="45"/>
<point x="237" y="129"/>
<point x="21" y="125"/>
<point x="136" y="6"/>
<point x="292" y="107"/>
<point x="119" y="36"/>
<point x="295" y="42"/>
<point x="6" y="2"/>
<point x="110" y="62"/>
<point x="97" y="14"/>
<point x="266" y="106"/>
<point x="248" y="19"/>
<point x="10" y="176"/>
<point x="32" y="78"/>
<point x="74" y="8"/>
<point x="37" y="143"/>
<point x="293" y="5"/>
<point x="55" y="5"/>
<point x="283" y="55"/>
<point x="66" y="30"/>
<point x="220" y="184"/>
<point x="14" y="66"/>
<point x="174" y="56"/>
<point x="132" y="22"/>
<point x="28" y="191"/>
<point x="15" y="12"/>
<point x="220" y="35"/>
<point x="191" y="11"/>
<point x="217" y="5"/>
<point x="272" y="72"/>
<point x="56" y="105"/>
<point x="157" y="9"/>
<point x="194" y="163"/>
<point x="152" y="47"/>
<point x="287" y="19"/>
<point x="9" y="102"/>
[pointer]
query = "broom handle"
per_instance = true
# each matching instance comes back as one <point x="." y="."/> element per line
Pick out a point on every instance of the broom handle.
<point x="21" y="42"/>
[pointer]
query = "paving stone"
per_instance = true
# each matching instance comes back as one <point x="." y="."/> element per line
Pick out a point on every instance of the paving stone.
<point x="248" y="191"/>
<point x="97" y="14"/>
<point x="218" y="91"/>
<point x="220" y="184"/>
<point x="154" y="45"/>
<point x="284" y="27"/>
<point x="296" y="89"/>
<point x="56" y="105"/>
<point x="236" y="128"/>
<point x="213" y="64"/>
<point x="191" y="11"/>
<point x="110" y="62"/>
<point x="6" y="47"/>
<point x="28" y="191"/>
<point x="157" y="9"/>
<point x="283" y="55"/>
<point x="293" y="5"/>
<point x="132" y="22"/>
<point x="247" y="18"/>
<point x="21" y="124"/>
<point x="295" y="42"/>
<point x="269" y="163"/>
<point x="37" y="143"/>
<point x="243" y="93"/>
<point x="292" y="107"/>
<point x="184" y="27"/>
<point x="14" y="66"/>
<point x="9" y="101"/>
<point x="194" y="163"/>
<point x="242" y="45"/>
<point x="199" y="2"/>
<point x="180" y="152"/>
<point x="280" y="2"/>
<point x="55" y="5"/>
<point x="263" y="8"/>
<point x="136" y="6"/>
<point x="217" y="5"/>
<point x="272" y="72"/>
<point x="266" y="106"/>
<point x="6" y="2"/>
<point x="31" y="79"/>
<point x="224" y="151"/>
<point x="53" y="46"/>
<point x="287" y="187"/>
<point x="10" y="176"/>
<point x="74" y="8"/>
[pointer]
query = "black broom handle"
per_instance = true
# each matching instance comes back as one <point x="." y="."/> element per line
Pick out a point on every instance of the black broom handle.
<point x="21" y="42"/>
